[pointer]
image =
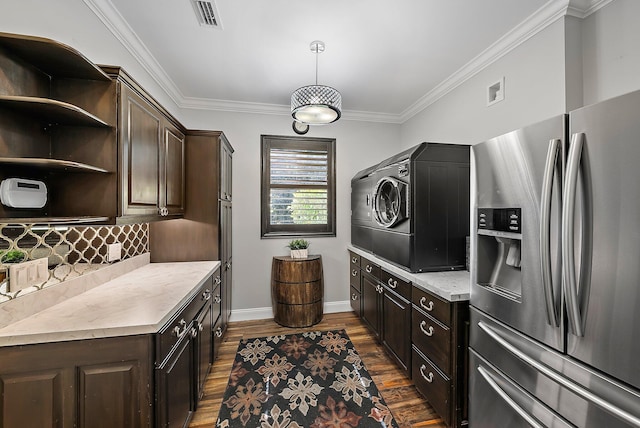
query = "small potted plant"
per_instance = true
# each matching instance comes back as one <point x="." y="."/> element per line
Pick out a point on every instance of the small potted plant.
<point x="299" y="248"/>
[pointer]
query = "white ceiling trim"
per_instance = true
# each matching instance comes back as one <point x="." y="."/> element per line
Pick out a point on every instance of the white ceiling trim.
<point x="538" y="21"/>
<point x="119" y="27"/>
<point x="583" y="8"/>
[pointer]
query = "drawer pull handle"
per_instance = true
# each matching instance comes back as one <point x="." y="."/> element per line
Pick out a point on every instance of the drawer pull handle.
<point x="217" y="280"/>
<point x="369" y="269"/>
<point x="194" y="332"/>
<point x="179" y="332"/>
<point x="217" y="299"/>
<point x="354" y="260"/>
<point x="354" y="272"/>
<point x="206" y="295"/>
<point x="200" y="326"/>
<point x="392" y="283"/>
<point x="354" y="297"/>
<point x="428" y="307"/>
<point x="429" y="331"/>
<point x="219" y="332"/>
<point x="427" y="378"/>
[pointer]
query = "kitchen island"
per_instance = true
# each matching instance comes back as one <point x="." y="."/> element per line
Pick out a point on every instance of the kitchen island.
<point x="130" y="351"/>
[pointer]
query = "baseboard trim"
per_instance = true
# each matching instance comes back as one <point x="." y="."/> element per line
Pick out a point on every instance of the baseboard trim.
<point x="252" y="314"/>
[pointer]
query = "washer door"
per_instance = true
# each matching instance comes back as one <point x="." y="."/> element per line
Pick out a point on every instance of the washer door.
<point x="390" y="202"/>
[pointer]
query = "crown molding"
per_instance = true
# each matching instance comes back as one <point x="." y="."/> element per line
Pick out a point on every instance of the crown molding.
<point x="538" y="21"/>
<point x="118" y="26"/>
<point x="278" y="109"/>
<point x="583" y="8"/>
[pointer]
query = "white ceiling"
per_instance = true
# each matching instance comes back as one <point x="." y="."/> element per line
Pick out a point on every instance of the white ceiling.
<point x="383" y="56"/>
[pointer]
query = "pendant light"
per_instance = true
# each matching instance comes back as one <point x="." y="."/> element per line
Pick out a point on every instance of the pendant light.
<point x="316" y="104"/>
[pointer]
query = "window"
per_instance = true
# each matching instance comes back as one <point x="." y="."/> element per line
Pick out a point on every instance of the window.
<point x="298" y="186"/>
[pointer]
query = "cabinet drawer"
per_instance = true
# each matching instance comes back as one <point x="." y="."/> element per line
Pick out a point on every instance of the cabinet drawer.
<point x="354" y="277"/>
<point x="434" y="385"/>
<point x="370" y="268"/>
<point x="180" y="324"/>
<point x="354" y="260"/>
<point x="396" y="284"/>
<point x="432" y="339"/>
<point x="432" y="305"/>
<point x="355" y="300"/>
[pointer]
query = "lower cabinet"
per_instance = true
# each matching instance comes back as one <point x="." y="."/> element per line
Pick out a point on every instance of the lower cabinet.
<point x="440" y="354"/>
<point x="425" y="335"/>
<point x="89" y="383"/>
<point x="150" y="380"/>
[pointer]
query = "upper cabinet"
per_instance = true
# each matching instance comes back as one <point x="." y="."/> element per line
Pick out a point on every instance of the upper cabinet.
<point x="106" y="150"/>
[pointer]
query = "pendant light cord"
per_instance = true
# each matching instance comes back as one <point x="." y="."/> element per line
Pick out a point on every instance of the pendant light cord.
<point x="317" y="52"/>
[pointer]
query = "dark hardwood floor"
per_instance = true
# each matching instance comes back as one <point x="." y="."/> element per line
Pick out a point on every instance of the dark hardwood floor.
<point x="407" y="405"/>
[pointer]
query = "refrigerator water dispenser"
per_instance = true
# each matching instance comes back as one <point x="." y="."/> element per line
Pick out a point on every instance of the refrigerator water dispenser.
<point x="499" y="251"/>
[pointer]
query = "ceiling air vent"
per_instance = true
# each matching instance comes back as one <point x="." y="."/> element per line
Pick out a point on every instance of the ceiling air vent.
<point x="207" y="13"/>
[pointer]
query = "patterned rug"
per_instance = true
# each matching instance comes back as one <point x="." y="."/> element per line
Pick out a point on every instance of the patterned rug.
<point x="305" y="380"/>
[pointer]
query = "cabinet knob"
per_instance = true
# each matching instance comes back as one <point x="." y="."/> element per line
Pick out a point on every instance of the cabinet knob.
<point x="163" y="211"/>
<point x="368" y="268"/>
<point x="194" y="332"/>
<point x="200" y="326"/>
<point x="429" y="377"/>
<point x="354" y="260"/>
<point x="428" y="306"/>
<point x="392" y="283"/>
<point x="217" y="280"/>
<point x="354" y="272"/>
<point x="219" y="332"/>
<point x="206" y="295"/>
<point x="429" y="331"/>
<point x="217" y="299"/>
<point x="354" y="297"/>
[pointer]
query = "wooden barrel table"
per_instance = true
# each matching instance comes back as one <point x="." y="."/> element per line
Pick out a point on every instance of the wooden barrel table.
<point x="297" y="291"/>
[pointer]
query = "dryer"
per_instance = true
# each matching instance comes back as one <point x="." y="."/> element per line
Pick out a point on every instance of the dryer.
<point x="418" y="208"/>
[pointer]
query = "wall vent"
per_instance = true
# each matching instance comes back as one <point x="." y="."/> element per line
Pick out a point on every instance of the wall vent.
<point x="207" y="13"/>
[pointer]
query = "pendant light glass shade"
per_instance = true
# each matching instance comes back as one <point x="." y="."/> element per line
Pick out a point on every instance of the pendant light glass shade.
<point x="316" y="104"/>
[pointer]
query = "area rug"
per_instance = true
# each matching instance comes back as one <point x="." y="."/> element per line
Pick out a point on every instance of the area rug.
<point x="305" y="380"/>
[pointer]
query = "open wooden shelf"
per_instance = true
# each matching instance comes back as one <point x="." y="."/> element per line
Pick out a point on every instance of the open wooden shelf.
<point x="55" y="220"/>
<point x="51" y="111"/>
<point x="52" y="164"/>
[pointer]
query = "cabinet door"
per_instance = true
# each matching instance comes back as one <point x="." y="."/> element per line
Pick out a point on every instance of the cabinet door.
<point x="172" y="182"/>
<point x="108" y="395"/>
<point x="204" y="347"/>
<point x="140" y="142"/>
<point x="226" y="157"/>
<point x="226" y="258"/>
<point x="42" y="398"/>
<point x="370" y="307"/>
<point x="396" y="334"/>
<point x="174" y="394"/>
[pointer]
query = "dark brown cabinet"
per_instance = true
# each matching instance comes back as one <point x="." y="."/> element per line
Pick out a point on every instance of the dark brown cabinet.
<point x="78" y="128"/>
<point x="383" y="302"/>
<point x="152" y="163"/>
<point x="205" y="231"/>
<point x="440" y="340"/>
<point x="89" y="383"/>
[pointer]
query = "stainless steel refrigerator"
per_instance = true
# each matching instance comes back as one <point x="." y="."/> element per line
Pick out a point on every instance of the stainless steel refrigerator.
<point x="555" y="294"/>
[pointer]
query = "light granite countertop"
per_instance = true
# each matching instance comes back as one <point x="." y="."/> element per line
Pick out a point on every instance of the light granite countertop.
<point x="137" y="302"/>
<point x="452" y="286"/>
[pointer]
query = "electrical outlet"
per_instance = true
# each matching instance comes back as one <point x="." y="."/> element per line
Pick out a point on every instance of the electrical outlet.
<point x="114" y="252"/>
<point x="26" y="274"/>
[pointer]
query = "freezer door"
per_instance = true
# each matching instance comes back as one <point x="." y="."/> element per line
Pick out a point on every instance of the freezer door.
<point x="514" y="277"/>
<point x="603" y="279"/>
<point x="574" y="392"/>
<point x="497" y="402"/>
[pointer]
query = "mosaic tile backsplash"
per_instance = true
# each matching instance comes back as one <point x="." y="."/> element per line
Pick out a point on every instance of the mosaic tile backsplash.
<point x="71" y="251"/>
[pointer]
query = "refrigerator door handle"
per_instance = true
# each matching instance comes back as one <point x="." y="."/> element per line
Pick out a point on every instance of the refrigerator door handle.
<point x="560" y="379"/>
<point x="545" y="230"/>
<point x="568" y="215"/>
<point x="507" y="399"/>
